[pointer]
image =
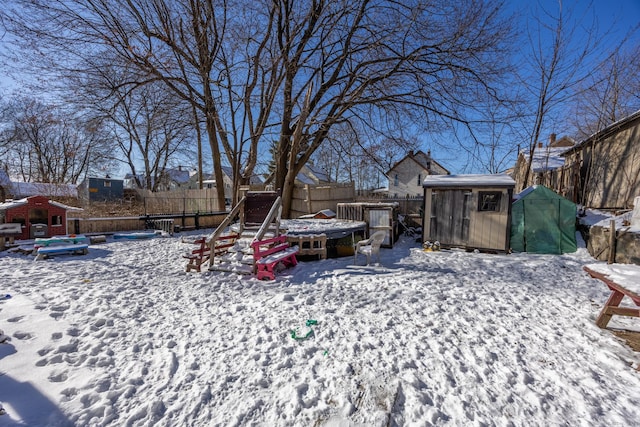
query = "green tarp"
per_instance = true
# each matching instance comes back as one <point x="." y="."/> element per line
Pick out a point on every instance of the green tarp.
<point x="542" y="222"/>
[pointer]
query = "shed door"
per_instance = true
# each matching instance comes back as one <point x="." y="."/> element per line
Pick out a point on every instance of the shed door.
<point x="450" y="216"/>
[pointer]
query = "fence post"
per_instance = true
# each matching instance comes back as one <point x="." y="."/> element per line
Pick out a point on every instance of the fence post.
<point x="612" y="242"/>
<point x="308" y="190"/>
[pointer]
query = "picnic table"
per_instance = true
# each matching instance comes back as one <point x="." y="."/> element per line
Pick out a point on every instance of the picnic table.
<point x="624" y="281"/>
<point x="9" y="230"/>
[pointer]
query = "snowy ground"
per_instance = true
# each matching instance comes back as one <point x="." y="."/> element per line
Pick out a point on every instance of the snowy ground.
<point x="124" y="337"/>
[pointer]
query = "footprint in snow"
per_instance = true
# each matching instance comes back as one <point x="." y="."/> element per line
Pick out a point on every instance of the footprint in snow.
<point x="22" y="335"/>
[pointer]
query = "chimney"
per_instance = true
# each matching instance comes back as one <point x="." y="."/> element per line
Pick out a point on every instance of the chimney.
<point x="429" y="153"/>
<point x="552" y="139"/>
<point x="411" y="153"/>
<point x="540" y="145"/>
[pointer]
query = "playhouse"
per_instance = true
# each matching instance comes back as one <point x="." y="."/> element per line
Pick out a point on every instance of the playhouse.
<point x="37" y="215"/>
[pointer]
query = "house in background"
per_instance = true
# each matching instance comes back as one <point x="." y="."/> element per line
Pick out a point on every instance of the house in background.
<point x="407" y="175"/>
<point x="547" y="161"/>
<point x="209" y="181"/>
<point x="104" y="189"/>
<point x="311" y="175"/>
<point x="603" y="170"/>
<point x="170" y="179"/>
<point x="600" y="172"/>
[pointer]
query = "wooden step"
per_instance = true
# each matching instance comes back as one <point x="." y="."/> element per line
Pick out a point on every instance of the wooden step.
<point x="232" y="267"/>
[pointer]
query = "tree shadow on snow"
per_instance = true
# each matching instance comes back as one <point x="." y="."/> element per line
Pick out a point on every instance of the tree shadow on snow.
<point x="25" y="405"/>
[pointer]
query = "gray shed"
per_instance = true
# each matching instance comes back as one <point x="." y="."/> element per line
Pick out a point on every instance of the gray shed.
<point x="468" y="211"/>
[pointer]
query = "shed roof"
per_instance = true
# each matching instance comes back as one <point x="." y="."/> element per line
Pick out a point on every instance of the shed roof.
<point x="469" y="180"/>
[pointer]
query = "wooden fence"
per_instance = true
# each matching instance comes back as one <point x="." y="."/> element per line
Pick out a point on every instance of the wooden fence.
<point x="118" y="224"/>
<point x="309" y="199"/>
<point x="406" y="205"/>
<point x="180" y="201"/>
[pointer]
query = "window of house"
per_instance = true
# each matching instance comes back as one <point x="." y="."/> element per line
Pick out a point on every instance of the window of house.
<point x="396" y="180"/>
<point x="19" y="220"/>
<point x="489" y="201"/>
<point x="56" y="220"/>
<point x="419" y="179"/>
<point x="107" y="183"/>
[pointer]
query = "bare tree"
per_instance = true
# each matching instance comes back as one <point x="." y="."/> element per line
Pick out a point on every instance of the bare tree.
<point x="148" y="125"/>
<point x="358" y="61"/>
<point x="298" y="70"/>
<point x="611" y="92"/>
<point x="557" y="70"/>
<point x="48" y="144"/>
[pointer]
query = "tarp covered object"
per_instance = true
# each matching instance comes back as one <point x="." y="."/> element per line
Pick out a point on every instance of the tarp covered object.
<point x="543" y="222"/>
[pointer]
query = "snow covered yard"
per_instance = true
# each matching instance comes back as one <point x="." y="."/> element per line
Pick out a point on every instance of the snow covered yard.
<point x="124" y="337"/>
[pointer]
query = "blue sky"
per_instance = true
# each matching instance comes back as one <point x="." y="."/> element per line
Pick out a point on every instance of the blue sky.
<point x="615" y="16"/>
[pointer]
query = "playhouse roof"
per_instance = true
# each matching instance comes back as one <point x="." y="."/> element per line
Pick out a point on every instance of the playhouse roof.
<point x="21" y="202"/>
<point x="469" y="180"/>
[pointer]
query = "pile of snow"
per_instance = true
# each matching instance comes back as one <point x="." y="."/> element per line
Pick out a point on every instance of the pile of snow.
<point x="123" y="336"/>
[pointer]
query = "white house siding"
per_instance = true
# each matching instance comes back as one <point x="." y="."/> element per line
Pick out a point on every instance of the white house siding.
<point x="407" y="176"/>
<point x="406" y="179"/>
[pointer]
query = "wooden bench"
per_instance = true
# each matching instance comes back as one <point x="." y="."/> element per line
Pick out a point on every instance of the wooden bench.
<point x="198" y="256"/>
<point x="223" y="243"/>
<point x="267" y="254"/>
<point x="44" y="251"/>
<point x="612" y="306"/>
<point x="310" y="244"/>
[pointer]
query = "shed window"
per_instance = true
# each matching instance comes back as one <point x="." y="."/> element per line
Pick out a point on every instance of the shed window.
<point x="489" y="201"/>
<point x="419" y="179"/>
<point x="56" y="220"/>
<point x="107" y="183"/>
<point x="395" y="180"/>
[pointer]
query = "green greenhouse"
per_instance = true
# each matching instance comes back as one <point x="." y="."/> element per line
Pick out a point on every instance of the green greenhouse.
<point x="542" y="222"/>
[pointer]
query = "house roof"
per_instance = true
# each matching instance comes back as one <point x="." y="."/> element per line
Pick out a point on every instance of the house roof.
<point x="21" y="202"/>
<point x="469" y="180"/>
<point x="228" y="171"/>
<point x="546" y="158"/>
<point x="311" y="175"/>
<point x="420" y="158"/>
<point x="26" y="189"/>
<point x="179" y="176"/>
<point x="607" y="131"/>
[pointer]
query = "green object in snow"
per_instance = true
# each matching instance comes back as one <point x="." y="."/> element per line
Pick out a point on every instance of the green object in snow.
<point x="295" y="336"/>
<point x="308" y="323"/>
